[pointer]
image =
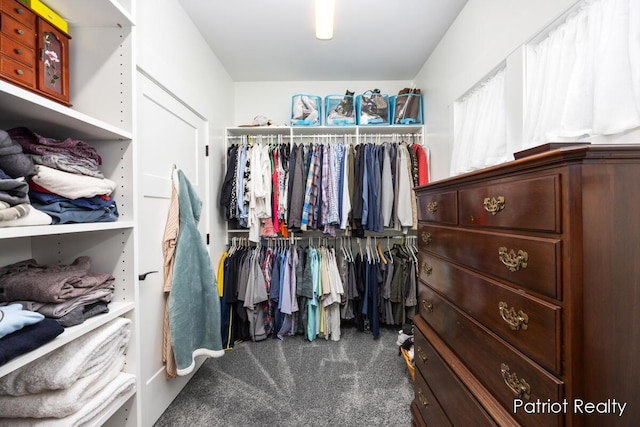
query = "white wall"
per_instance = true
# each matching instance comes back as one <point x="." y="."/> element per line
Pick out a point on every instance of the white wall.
<point x="484" y="34"/>
<point x="174" y="54"/>
<point x="273" y="99"/>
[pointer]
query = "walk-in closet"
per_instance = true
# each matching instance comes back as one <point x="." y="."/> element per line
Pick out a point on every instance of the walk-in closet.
<point x="319" y="213"/>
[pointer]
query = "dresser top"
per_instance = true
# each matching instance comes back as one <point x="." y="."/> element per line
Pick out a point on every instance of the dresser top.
<point x="580" y="153"/>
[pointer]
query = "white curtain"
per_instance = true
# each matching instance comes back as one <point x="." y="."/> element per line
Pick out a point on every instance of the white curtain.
<point x="480" y="127"/>
<point x="583" y="79"/>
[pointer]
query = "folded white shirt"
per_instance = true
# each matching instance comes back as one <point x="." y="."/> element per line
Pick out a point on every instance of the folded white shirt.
<point x="71" y="185"/>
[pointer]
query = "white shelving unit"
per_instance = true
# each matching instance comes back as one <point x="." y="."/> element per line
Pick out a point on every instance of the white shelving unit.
<point x="359" y="134"/>
<point x="102" y="73"/>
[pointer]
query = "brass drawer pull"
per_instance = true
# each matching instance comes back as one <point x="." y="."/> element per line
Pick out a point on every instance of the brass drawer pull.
<point x="513" y="261"/>
<point x="423" y="400"/>
<point x="519" y="387"/>
<point x="428" y="305"/>
<point x="432" y="207"/>
<point x="421" y="355"/>
<point x="426" y="237"/>
<point x="515" y="320"/>
<point x="426" y="268"/>
<point x="494" y="205"/>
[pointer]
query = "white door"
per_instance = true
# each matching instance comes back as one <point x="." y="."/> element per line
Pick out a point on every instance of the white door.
<point x="169" y="133"/>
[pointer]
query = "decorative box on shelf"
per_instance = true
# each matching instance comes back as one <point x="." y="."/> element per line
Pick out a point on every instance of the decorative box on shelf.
<point x="372" y="108"/>
<point x="407" y="108"/>
<point x="339" y="110"/>
<point x="48" y="14"/>
<point x="306" y="110"/>
<point x="34" y="54"/>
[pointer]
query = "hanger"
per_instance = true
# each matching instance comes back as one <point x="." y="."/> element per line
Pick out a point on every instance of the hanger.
<point x="411" y="249"/>
<point x="347" y="248"/>
<point x="232" y="247"/>
<point x="380" y="253"/>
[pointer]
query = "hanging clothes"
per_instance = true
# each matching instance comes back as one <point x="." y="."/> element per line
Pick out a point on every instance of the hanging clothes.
<point x="272" y="189"/>
<point x="423" y="164"/>
<point x="255" y="297"/>
<point x="194" y="306"/>
<point x="169" y="240"/>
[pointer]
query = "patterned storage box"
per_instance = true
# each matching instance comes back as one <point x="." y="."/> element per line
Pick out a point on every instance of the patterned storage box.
<point x="372" y="108"/>
<point x="306" y="110"/>
<point x="339" y="110"/>
<point x="407" y="109"/>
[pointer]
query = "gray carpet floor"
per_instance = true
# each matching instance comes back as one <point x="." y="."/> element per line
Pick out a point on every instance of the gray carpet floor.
<point x="357" y="381"/>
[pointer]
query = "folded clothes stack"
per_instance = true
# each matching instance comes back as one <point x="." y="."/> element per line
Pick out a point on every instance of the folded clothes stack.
<point x="24" y="330"/>
<point x="64" y="178"/>
<point x="67" y="293"/>
<point x="15" y="168"/>
<point x="73" y="385"/>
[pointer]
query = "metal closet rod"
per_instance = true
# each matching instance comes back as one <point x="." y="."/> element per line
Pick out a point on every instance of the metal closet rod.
<point x="336" y="135"/>
<point x="372" y="135"/>
<point x="244" y="241"/>
<point x="257" y="136"/>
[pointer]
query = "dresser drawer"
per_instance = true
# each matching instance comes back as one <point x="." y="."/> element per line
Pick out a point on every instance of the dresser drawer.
<point x="18" y="31"/>
<point x="417" y="420"/>
<point x="438" y="207"/>
<point x="17" y="51"/>
<point x="19" y="12"/>
<point x="530" y="262"/>
<point x="532" y="325"/>
<point x="430" y="410"/>
<point x="17" y="72"/>
<point x="526" y="204"/>
<point x="456" y="400"/>
<point x="504" y="371"/>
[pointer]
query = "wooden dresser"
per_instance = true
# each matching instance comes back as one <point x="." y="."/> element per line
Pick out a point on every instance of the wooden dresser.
<point x="33" y="53"/>
<point x="529" y="293"/>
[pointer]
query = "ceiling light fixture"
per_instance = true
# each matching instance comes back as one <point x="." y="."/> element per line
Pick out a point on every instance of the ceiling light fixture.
<point x="324" y="19"/>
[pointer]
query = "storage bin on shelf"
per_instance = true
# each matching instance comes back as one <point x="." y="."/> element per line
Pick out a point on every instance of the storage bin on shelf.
<point x="306" y="110"/>
<point x="340" y="110"/>
<point x="406" y="109"/>
<point x="372" y="108"/>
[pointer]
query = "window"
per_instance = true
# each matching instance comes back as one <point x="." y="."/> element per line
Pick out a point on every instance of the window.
<point x="583" y="78"/>
<point x="480" y="131"/>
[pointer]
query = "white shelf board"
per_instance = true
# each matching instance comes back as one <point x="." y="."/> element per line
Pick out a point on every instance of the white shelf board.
<point x="113" y="407"/>
<point x="324" y="130"/>
<point x="389" y="129"/>
<point x="116" y="309"/>
<point x="92" y="13"/>
<point x="46" y="230"/>
<point x="259" y="130"/>
<point x="21" y="107"/>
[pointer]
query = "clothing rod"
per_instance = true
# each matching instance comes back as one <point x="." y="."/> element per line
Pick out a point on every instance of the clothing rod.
<point x="329" y="135"/>
<point x="382" y="135"/>
<point x="326" y="135"/>
<point x="372" y="135"/>
<point x="257" y="136"/>
<point x="295" y="238"/>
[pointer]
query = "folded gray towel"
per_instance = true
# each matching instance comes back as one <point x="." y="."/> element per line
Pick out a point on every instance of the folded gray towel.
<point x="12" y="160"/>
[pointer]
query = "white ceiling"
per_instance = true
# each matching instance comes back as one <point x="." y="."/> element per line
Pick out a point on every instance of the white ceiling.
<point x="274" y="40"/>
